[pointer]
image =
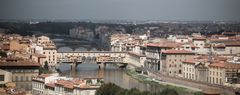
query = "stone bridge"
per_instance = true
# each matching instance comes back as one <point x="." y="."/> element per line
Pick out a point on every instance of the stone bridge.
<point x="98" y="57"/>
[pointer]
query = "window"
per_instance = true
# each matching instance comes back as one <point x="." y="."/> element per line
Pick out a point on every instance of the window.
<point x="1" y="77"/>
<point x="180" y="71"/>
<point x="16" y="78"/>
<point x="21" y="78"/>
<point x="27" y="79"/>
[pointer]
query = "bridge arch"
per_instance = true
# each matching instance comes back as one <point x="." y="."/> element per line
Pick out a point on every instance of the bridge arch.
<point x="80" y="49"/>
<point x="93" y="49"/>
<point x="65" y="49"/>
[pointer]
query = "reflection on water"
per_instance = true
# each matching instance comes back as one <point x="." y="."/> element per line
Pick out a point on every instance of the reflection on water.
<point x="110" y="74"/>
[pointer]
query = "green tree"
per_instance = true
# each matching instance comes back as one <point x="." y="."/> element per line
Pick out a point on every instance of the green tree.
<point x="168" y="91"/>
<point x="108" y="89"/>
<point x="3" y="54"/>
<point x="45" y="65"/>
<point x="198" y="93"/>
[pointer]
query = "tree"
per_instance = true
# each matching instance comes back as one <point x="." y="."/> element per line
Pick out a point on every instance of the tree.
<point x="3" y="54"/>
<point x="168" y="91"/>
<point x="45" y="65"/>
<point x="112" y="89"/>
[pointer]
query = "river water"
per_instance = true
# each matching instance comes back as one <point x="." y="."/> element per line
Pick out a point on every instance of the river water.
<point x="111" y="73"/>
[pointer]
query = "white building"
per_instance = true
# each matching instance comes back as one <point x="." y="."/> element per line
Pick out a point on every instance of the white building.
<point x="55" y="85"/>
<point x="46" y="47"/>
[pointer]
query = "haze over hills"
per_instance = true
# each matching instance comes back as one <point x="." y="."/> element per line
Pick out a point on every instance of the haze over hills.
<point x="134" y="10"/>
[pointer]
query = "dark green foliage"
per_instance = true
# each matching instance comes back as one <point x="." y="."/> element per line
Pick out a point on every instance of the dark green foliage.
<point x="198" y="93"/>
<point x="108" y="89"/>
<point x="112" y="89"/>
<point x="3" y="54"/>
<point x="168" y="91"/>
<point x="44" y="69"/>
<point x="45" y="65"/>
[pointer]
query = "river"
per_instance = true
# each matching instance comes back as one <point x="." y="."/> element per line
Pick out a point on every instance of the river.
<point x="111" y="73"/>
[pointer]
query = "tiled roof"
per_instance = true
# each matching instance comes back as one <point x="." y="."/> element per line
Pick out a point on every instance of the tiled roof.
<point x="39" y="55"/>
<point x="19" y="64"/>
<point x="225" y="65"/>
<point x="164" y="45"/>
<point x="199" y="38"/>
<point x="44" y="75"/>
<point x="177" y="52"/>
<point x="65" y="83"/>
<point x="52" y="85"/>
<point x="190" y="61"/>
<point x="232" y="43"/>
<point x="219" y="46"/>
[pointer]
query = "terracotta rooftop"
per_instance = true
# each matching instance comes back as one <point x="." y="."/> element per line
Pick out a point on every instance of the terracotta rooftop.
<point x="164" y="44"/>
<point x="230" y="33"/>
<point x="219" y="46"/>
<point x="225" y="65"/>
<point x="177" y="52"/>
<point x="52" y="85"/>
<point x="65" y="83"/>
<point x="44" y="75"/>
<point x="39" y="55"/>
<point x="190" y="61"/>
<point x="19" y="64"/>
<point x="232" y="43"/>
<point x="199" y="38"/>
<point x="37" y="79"/>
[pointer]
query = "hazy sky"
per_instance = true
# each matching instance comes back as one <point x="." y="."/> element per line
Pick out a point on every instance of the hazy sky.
<point x="121" y="9"/>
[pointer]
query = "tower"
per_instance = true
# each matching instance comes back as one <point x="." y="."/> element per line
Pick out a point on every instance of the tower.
<point x="148" y="34"/>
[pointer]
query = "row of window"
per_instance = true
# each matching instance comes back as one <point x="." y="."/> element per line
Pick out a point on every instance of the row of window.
<point x="188" y="75"/>
<point x="174" y="65"/>
<point x="188" y="69"/>
<point x="22" y="78"/>
<point x="213" y="73"/>
<point x="23" y="71"/>
<point x="214" y="80"/>
<point x="38" y="85"/>
<point x="49" y="52"/>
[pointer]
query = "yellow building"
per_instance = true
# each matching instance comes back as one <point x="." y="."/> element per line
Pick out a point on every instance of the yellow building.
<point x="51" y="55"/>
<point x="5" y="77"/>
<point x="15" y="45"/>
<point x="22" y="71"/>
<point x="195" y="69"/>
<point x="172" y="61"/>
<point x="39" y="58"/>
<point x="224" y="73"/>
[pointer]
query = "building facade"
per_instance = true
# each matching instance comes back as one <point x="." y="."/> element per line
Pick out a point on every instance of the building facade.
<point x="172" y="61"/>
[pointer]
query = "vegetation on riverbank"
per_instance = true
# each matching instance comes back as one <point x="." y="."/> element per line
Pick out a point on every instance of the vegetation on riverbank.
<point x="145" y="79"/>
<point x="112" y="89"/>
<point x="45" y="69"/>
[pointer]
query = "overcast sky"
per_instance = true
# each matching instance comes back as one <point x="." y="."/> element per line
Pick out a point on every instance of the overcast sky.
<point x="221" y="10"/>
